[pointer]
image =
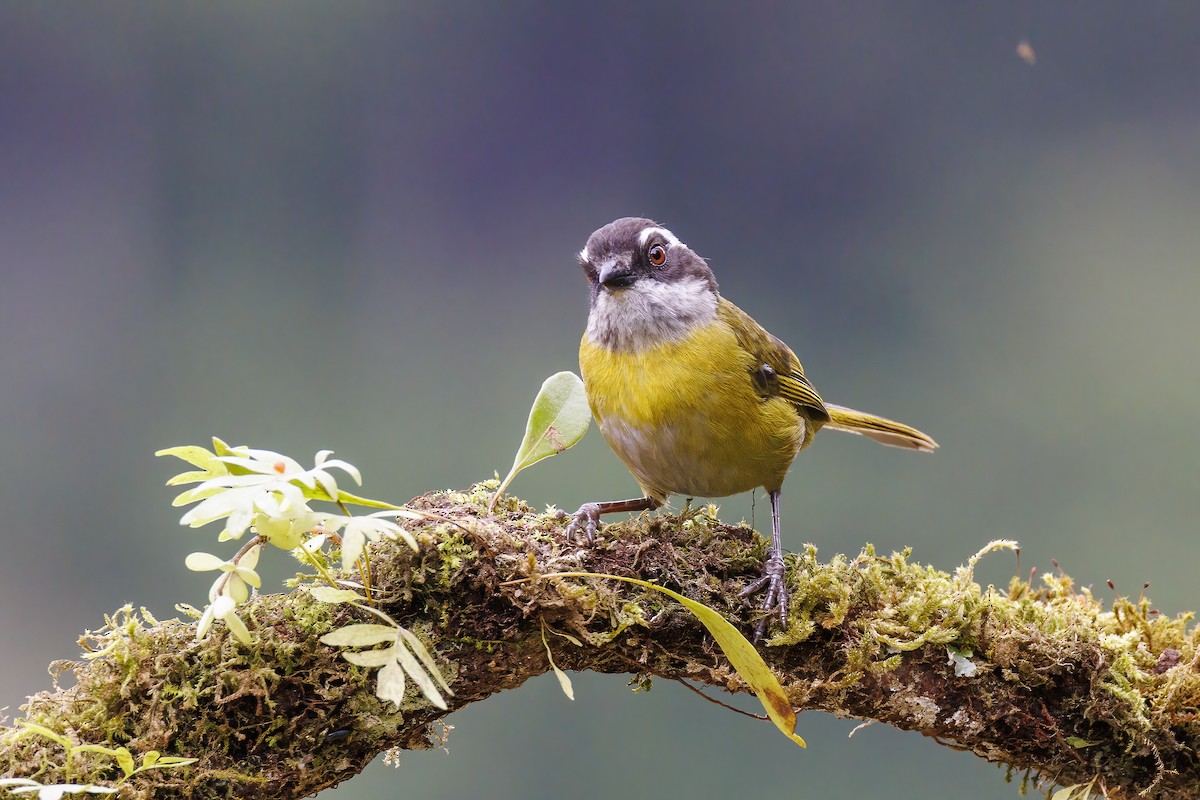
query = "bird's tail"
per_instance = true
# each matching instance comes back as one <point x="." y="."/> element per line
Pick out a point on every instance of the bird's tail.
<point x="884" y="431"/>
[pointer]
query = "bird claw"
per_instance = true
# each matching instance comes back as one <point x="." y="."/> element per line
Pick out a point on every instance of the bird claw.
<point x="776" y="600"/>
<point x="587" y="517"/>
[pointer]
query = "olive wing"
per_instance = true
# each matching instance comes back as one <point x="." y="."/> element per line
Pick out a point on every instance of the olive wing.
<point x="777" y="371"/>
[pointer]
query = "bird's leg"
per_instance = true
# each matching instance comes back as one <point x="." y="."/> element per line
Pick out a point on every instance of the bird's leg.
<point x="588" y="515"/>
<point x="689" y="513"/>
<point x="776" y="600"/>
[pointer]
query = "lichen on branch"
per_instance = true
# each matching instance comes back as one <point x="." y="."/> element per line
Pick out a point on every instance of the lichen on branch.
<point x="1042" y="679"/>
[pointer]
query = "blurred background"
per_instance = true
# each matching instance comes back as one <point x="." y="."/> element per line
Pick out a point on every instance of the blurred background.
<point x="352" y="226"/>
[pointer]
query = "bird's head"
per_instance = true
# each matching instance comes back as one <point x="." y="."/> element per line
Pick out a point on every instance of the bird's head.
<point x="647" y="286"/>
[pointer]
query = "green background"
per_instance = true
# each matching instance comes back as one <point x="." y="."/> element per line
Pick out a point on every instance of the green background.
<point x="353" y="226"/>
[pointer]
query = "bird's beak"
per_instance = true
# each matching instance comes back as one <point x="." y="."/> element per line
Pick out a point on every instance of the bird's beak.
<point x="615" y="274"/>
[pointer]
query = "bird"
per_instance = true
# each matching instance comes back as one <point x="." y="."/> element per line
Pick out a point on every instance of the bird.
<point x="692" y="394"/>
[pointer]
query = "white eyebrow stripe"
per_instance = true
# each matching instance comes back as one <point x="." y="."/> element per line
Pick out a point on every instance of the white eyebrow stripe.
<point x="583" y="256"/>
<point x="645" y="235"/>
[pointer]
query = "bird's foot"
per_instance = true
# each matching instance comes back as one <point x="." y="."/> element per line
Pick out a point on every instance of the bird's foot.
<point x="586" y="518"/>
<point x="689" y="513"/>
<point x="776" y="600"/>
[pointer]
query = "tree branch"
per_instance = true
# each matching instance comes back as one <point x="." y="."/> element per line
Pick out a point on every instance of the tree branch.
<point x="1047" y="680"/>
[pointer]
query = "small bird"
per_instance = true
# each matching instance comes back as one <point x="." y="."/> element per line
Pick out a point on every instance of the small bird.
<point x="691" y="393"/>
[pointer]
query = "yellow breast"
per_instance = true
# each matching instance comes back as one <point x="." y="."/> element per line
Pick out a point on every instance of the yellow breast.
<point x="684" y="416"/>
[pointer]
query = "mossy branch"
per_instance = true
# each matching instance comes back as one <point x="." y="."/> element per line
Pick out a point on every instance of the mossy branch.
<point x="1047" y="681"/>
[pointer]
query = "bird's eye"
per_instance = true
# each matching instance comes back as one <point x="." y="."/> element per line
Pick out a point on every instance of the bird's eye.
<point x="657" y="255"/>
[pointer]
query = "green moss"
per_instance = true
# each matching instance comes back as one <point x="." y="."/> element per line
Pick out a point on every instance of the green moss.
<point x="882" y="610"/>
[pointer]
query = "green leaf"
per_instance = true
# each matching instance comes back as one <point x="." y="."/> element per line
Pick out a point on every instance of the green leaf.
<point x="330" y="594"/>
<point x="42" y="730"/>
<point x="350" y="499"/>
<point x="564" y="681"/>
<point x="167" y="762"/>
<point x="418" y="647"/>
<point x="122" y="755"/>
<point x="249" y="576"/>
<point x="125" y="761"/>
<point x="318" y="492"/>
<point x="55" y="791"/>
<point x="741" y="654"/>
<point x="572" y="639"/>
<point x="196" y="456"/>
<point x="360" y="635"/>
<point x="558" y="419"/>
<point x="237" y="627"/>
<point x="370" y="658"/>
<point x="1078" y="791"/>
<point x="189" y="477"/>
<point x="194" y="494"/>
<point x="1079" y="743"/>
<point x="203" y="562"/>
<point x="412" y="668"/>
<point x="390" y="685"/>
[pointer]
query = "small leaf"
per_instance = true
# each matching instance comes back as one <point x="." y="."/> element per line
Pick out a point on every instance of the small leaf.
<point x="248" y="576"/>
<point x="249" y="560"/>
<point x="196" y="456"/>
<point x="391" y="683"/>
<point x="420" y="677"/>
<point x="125" y="761"/>
<point x="95" y="748"/>
<point x="572" y="639"/>
<point x="55" y="791"/>
<point x="205" y="622"/>
<point x="418" y="647"/>
<point x="122" y="755"/>
<point x="194" y="494"/>
<point x="237" y="627"/>
<point x="1079" y="743"/>
<point x="353" y="543"/>
<point x="564" y="682"/>
<point x="189" y="477"/>
<point x="203" y="562"/>
<point x="172" y="761"/>
<point x="558" y="419"/>
<point x="354" y="500"/>
<point x="328" y="594"/>
<point x="370" y="658"/>
<point x="236" y="589"/>
<point x="1078" y="791"/>
<point x="360" y="635"/>
<point x="42" y="730"/>
<point x="741" y="654"/>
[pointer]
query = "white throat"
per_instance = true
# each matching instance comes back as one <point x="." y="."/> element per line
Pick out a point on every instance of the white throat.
<point x="650" y="313"/>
